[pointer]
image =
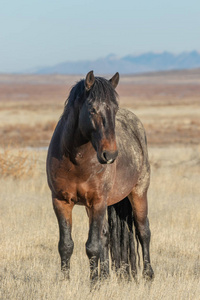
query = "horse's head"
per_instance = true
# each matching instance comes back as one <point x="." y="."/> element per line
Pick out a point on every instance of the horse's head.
<point x="97" y="116"/>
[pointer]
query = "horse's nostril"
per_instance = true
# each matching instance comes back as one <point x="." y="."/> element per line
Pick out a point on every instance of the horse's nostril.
<point x="104" y="155"/>
<point x="109" y="157"/>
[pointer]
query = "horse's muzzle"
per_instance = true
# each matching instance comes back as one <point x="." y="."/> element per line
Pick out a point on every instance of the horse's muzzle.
<point x="108" y="157"/>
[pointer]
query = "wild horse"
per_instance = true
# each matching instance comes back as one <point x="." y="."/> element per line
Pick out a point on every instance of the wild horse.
<point x="98" y="158"/>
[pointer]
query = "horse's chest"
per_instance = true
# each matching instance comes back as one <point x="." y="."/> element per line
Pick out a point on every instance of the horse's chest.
<point x="80" y="185"/>
<point x="79" y="193"/>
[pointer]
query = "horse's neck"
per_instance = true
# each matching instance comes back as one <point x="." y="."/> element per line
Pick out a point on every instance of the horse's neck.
<point x="72" y="139"/>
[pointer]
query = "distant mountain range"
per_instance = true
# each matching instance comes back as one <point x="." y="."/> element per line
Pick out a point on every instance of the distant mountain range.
<point x="130" y="64"/>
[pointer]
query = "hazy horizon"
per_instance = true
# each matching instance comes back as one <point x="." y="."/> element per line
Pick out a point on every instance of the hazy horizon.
<point x="129" y="64"/>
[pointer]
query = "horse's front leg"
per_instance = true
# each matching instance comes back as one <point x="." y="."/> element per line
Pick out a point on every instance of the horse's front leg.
<point x="63" y="211"/>
<point x="104" y="251"/>
<point x="94" y="246"/>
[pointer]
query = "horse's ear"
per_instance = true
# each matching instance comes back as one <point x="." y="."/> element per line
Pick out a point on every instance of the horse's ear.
<point x="115" y="80"/>
<point x="89" y="80"/>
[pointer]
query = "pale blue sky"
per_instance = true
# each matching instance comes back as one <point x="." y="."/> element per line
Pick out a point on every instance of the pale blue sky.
<point x="37" y="33"/>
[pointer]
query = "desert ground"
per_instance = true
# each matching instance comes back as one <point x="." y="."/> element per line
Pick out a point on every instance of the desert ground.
<point x="168" y="104"/>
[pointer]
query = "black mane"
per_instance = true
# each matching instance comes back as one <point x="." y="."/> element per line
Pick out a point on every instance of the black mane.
<point x="77" y="92"/>
<point x="101" y="90"/>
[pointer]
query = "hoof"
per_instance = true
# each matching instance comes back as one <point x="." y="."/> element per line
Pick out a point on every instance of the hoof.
<point x="66" y="275"/>
<point x="134" y="275"/>
<point x="94" y="285"/>
<point x="148" y="273"/>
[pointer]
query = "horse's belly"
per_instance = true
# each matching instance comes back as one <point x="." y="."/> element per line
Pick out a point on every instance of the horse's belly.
<point x="128" y="168"/>
<point x="124" y="184"/>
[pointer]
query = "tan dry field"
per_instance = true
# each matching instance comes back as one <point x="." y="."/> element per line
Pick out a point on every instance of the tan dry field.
<point x="169" y="106"/>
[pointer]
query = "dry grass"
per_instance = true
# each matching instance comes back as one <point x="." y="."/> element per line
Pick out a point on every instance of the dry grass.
<point x="168" y="105"/>
<point x="30" y="265"/>
<point x="17" y="164"/>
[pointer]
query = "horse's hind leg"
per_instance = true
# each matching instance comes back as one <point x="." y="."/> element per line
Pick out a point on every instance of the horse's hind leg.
<point x="63" y="211"/>
<point x="140" y="209"/>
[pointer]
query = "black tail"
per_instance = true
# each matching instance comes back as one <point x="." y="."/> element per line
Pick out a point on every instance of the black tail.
<point x="122" y="246"/>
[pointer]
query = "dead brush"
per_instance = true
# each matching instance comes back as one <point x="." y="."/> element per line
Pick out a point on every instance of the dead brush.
<point x="17" y="164"/>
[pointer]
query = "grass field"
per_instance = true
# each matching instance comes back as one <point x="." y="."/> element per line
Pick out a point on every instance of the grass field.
<point x="168" y="105"/>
